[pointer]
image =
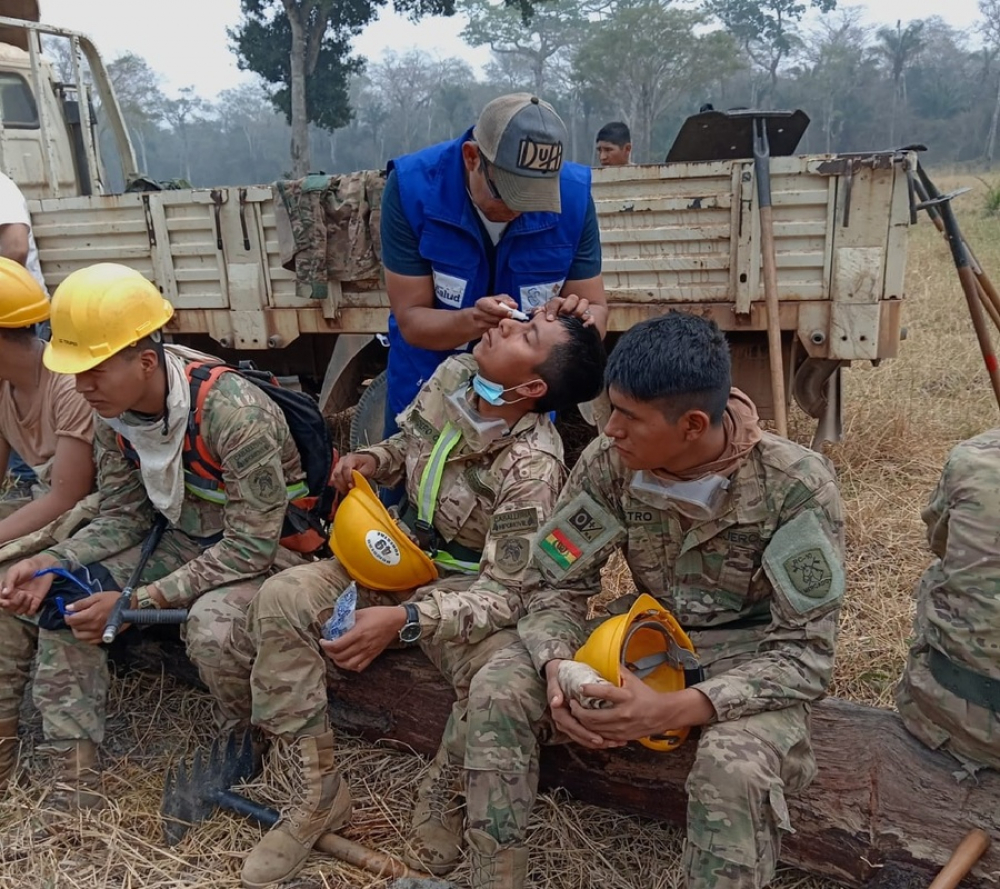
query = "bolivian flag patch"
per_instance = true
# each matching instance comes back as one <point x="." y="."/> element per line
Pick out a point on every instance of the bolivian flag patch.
<point x="558" y="546"/>
<point x="579" y="534"/>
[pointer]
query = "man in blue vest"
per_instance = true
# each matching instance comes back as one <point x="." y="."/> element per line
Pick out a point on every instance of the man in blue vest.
<point x="476" y="228"/>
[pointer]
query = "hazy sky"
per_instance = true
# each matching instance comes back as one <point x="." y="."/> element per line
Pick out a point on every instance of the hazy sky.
<point x="185" y="40"/>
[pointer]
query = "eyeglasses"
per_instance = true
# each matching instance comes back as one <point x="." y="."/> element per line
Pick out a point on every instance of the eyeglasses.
<point x="490" y="184"/>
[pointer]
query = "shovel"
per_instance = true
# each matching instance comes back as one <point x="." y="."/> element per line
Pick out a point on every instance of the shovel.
<point x="190" y="796"/>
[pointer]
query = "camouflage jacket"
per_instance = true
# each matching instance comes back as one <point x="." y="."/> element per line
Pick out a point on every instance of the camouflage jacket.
<point x="758" y="589"/>
<point x="246" y="433"/>
<point x="492" y="499"/>
<point x="958" y="603"/>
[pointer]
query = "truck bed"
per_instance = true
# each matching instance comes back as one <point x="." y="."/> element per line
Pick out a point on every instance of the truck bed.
<point x="680" y="236"/>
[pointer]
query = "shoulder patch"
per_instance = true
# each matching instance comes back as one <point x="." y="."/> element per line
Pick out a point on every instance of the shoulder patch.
<point x="516" y="521"/>
<point x="803" y="565"/>
<point x="264" y="483"/>
<point x="578" y="531"/>
<point x="512" y="554"/>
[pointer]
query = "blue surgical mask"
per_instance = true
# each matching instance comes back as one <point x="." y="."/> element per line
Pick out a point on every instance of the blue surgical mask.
<point x="492" y="393"/>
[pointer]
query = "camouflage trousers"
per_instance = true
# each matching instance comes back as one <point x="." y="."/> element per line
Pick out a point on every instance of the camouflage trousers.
<point x="941" y="719"/>
<point x="71" y="677"/>
<point x="275" y="649"/>
<point x="736" y="788"/>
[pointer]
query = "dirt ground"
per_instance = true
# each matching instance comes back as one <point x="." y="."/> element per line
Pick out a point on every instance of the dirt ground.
<point x="900" y="421"/>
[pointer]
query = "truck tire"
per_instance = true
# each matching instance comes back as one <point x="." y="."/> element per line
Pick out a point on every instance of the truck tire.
<point x="368" y="422"/>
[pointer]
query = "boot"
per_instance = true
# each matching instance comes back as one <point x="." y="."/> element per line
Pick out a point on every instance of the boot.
<point x="8" y="751"/>
<point x="435" y="841"/>
<point x="494" y="867"/>
<point x="320" y="802"/>
<point x="77" y="779"/>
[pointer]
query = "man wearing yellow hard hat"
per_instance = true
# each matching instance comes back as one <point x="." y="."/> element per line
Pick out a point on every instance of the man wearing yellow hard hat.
<point x="42" y="416"/>
<point x="482" y="465"/>
<point x="45" y="420"/>
<point x="736" y="536"/>
<point x="222" y="532"/>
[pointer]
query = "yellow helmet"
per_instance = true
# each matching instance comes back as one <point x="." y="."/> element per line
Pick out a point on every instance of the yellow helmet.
<point x="99" y="310"/>
<point x="648" y="641"/>
<point x="22" y="300"/>
<point x="370" y="545"/>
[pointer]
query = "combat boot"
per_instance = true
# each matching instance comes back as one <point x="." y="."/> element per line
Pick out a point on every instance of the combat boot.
<point x="320" y="802"/>
<point x="8" y="751"/>
<point x="435" y="840"/>
<point x="494" y="867"/>
<point x="77" y="779"/>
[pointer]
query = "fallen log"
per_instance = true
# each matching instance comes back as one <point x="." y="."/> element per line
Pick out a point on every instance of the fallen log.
<point x="884" y="811"/>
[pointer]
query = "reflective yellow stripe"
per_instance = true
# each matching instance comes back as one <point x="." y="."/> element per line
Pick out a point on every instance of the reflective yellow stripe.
<point x="430" y="479"/>
<point x="214" y="493"/>
<point x="446" y="560"/>
<point x="299" y="489"/>
<point x="427" y="494"/>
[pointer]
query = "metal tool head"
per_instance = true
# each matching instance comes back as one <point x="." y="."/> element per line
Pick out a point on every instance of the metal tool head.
<point x="942" y="198"/>
<point x="723" y="135"/>
<point x="190" y="794"/>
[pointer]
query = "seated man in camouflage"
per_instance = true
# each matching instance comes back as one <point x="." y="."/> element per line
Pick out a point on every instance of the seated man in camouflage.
<point x="949" y="696"/>
<point x="222" y="532"/>
<point x="735" y="531"/>
<point x="482" y="465"/>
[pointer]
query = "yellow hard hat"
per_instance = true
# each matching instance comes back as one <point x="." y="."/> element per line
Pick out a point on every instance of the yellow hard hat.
<point x="371" y="546"/>
<point x="640" y="641"/>
<point x="22" y="300"/>
<point x="99" y="310"/>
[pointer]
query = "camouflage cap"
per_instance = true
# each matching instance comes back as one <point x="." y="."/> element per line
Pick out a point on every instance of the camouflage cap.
<point x="522" y="137"/>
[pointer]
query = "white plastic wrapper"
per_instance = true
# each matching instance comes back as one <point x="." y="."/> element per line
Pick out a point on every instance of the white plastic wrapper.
<point x="342" y="618"/>
<point x="573" y="676"/>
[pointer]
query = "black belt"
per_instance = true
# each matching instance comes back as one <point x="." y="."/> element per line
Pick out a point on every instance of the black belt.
<point x="967" y="684"/>
<point x="430" y="541"/>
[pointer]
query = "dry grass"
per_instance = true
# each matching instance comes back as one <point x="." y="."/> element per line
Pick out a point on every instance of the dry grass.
<point x="901" y="419"/>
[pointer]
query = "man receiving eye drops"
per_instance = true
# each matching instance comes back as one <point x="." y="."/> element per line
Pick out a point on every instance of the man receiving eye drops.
<point x="482" y="465"/>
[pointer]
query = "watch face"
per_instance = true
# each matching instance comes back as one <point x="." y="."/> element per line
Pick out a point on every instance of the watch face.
<point x="410" y="632"/>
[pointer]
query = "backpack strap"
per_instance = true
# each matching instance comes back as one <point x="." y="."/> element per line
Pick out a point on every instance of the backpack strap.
<point x="201" y="376"/>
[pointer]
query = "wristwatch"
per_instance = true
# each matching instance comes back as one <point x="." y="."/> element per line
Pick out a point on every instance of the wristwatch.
<point x="410" y="631"/>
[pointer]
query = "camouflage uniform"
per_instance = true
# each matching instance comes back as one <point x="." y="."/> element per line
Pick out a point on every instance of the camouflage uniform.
<point x="758" y="589"/>
<point x="949" y="695"/>
<point x="492" y="498"/>
<point x="212" y="561"/>
<point x="328" y="229"/>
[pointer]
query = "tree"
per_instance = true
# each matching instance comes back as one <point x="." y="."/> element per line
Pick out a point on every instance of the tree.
<point x="180" y="113"/>
<point x="140" y="98"/>
<point x="646" y="56"/>
<point x="990" y="10"/>
<point x="303" y="48"/>
<point x="765" y="29"/>
<point x="839" y="71"/>
<point x="552" y="27"/>
<point x="898" y="47"/>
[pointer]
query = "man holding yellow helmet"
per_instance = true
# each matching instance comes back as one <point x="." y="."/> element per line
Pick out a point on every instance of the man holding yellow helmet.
<point x="222" y="534"/>
<point x="482" y="466"/>
<point x="734" y="532"/>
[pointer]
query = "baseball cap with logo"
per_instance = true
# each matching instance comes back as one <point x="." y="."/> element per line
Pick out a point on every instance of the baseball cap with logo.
<point x="522" y="137"/>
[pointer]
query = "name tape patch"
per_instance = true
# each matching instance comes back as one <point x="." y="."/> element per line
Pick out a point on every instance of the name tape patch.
<point x="517" y="521"/>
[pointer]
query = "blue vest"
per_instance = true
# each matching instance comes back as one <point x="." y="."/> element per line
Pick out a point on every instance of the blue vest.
<point x="533" y="257"/>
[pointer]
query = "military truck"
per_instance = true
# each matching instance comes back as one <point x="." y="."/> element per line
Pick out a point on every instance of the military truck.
<point x="680" y="235"/>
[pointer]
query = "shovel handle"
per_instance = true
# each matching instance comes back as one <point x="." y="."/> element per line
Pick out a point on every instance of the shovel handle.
<point x="329" y="843"/>
<point x="966" y="854"/>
